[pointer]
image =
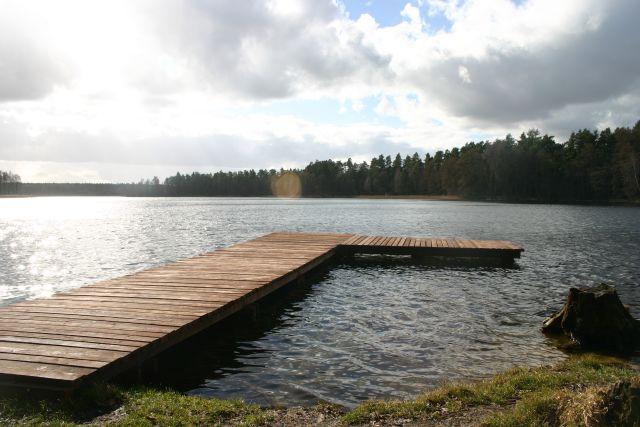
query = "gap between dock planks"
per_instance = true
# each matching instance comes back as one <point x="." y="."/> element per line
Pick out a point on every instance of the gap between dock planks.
<point x="99" y="330"/>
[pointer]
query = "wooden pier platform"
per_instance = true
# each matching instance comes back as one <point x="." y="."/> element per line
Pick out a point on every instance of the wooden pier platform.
<point x="99" y="330"/>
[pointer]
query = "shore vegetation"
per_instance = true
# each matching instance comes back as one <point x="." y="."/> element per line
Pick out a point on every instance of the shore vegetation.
<point x="574" y="392"/>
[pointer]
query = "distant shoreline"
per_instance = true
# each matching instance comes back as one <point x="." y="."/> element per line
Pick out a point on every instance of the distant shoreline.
<point x="412" y="197"/>
<point x="436" y="198"/>
<point x="454" y="198"/>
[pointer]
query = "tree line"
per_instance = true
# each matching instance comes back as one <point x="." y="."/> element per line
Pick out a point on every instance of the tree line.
<point x="591" y="165"/>
<point x="9" y="182"/>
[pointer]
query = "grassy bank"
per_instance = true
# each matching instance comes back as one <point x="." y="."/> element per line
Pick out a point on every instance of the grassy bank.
<point x="534" y="396"/>
<point x="570" y="393"/>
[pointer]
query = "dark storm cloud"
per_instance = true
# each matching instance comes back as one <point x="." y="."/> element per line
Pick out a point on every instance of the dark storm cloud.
<point x="513" y="85"/>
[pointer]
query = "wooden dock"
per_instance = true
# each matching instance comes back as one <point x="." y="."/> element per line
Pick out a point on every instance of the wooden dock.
<point x="100" y="330"/>
<point x="432" y="247"/>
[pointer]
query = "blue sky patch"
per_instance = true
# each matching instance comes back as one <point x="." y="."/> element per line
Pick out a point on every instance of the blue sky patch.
<point x="388" y="13"/>
<point x="328" y="111"/>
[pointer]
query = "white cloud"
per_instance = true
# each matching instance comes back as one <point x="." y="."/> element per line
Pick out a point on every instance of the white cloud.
<point x="266" y="49"/>
<point x="386" y="106"/>
<point x="357" y="105"/>
<point x="463" y="73"/>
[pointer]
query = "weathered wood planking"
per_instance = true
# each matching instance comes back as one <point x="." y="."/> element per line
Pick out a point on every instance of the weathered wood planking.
<point x="99" y="330"/>
<point x="432" y="246"/>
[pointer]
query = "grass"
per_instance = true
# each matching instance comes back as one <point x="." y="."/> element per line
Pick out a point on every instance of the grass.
<point x="539" y="393"/>
<point x="107" y="404"/>
<point x="565" y="394"/>
<point x="590" y="406"/>
<point x="168" y="408"/>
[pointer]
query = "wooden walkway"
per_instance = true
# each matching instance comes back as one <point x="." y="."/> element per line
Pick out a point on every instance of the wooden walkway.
<point x="102" y="329"/>
<point x="432" y="246"/>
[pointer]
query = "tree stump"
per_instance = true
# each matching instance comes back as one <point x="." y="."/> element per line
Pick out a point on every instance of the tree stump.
<point x="595" y="319"/>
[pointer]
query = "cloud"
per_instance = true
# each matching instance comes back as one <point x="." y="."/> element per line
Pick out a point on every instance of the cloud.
<point x="266" y="49"/>
<point x="176" y="84"/>
<point x="463" y="73"/>
<point x="29" y="69"/>
<point x="582" y="58"/>
<point x="301" y="143"/>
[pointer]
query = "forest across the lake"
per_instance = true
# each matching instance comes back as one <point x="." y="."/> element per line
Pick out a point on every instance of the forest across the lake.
<point x="592" y="165"/>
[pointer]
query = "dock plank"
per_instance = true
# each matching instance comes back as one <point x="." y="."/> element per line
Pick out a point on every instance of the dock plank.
<point x="49" y="360"/>
<point x="96" y="340"/>
<point x="40" y="370"/>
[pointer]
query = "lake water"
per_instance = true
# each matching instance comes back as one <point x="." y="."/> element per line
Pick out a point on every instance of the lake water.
<point x="362" y="330"/>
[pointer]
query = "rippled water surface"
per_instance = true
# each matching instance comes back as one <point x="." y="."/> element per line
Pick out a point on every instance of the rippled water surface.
<point x="361" y="330"/>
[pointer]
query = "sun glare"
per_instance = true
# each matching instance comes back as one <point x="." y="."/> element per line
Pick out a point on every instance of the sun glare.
<point x="287" y="185"/>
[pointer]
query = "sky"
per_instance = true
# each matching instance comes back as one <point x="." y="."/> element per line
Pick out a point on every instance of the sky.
<point x="120" y="90"/>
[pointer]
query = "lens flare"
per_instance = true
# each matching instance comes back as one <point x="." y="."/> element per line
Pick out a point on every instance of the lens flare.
<point x="286" y="185"/>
